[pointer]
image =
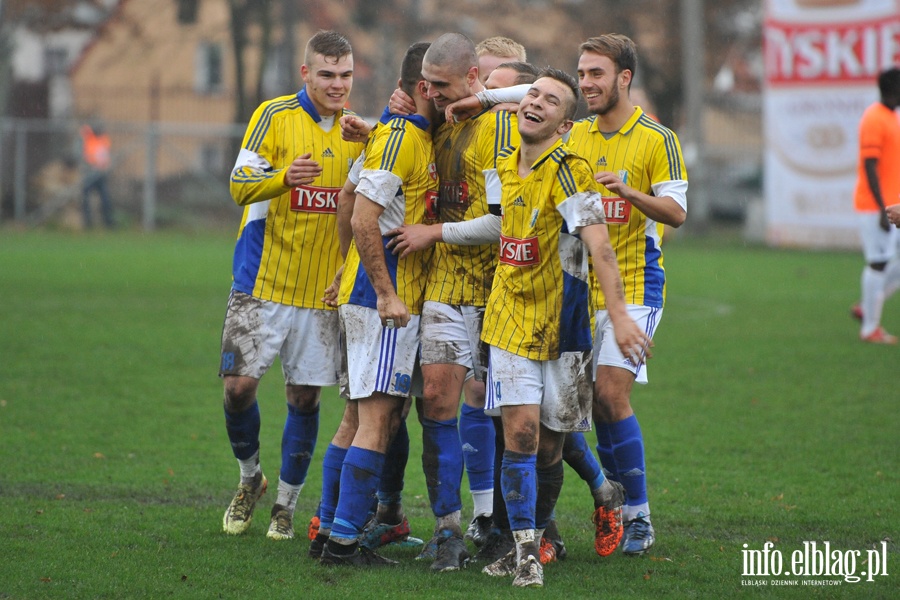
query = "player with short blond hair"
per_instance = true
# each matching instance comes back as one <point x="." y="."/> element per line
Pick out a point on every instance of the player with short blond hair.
<point x="291" y="165"/>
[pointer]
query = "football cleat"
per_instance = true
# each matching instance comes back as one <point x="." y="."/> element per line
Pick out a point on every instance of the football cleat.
<point x="607" y="519"/>
<point x="879" y="336"/>
<point x="505" y="566"/>
<point x="313" y="530"/>
<point x="529" y="572"/>
<point x="281" y="527"/>
<point x="856" y="312"/>
<point x="547" y="551"/>
<point x="499" y="542"/>
<point x="317" y="546"/>
<point x="240" y="512"/>
<point x="639" y="536"/>
<point x="429" y="549"/>
<point x="479" y="530"/>
<point x="451" y="555"/>
<point x="377" y="534"/>
<point x="553" y="536"/>
<point x="360" y="557"/>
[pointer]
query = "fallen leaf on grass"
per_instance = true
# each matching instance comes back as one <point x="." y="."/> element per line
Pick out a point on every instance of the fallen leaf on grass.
<point x="88" y="510"/>
<point x="661" y="558"/>
<point x="184" y="577"/>
<point x="778" y="498"/>
<point x="46" y="579"/>
<point x="60" y="496"/>
<point x="39" y="511"/>
<point x="648" y="574"/>
<point x="2" y="403"/>
<point x="171" y="473"/>
<point x="772" y="539"/>
<point x="99" y="455"/>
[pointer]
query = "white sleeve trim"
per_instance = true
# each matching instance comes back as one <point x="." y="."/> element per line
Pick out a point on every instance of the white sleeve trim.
<point x="675" y="189"/>
<point x="582" y="209"/>
<point x="481" y="230"/>
<point x="356" y="169"/>
<point x="247" y="158"/>
<point x="378" y="186"/>
<point x="492" y="187"/>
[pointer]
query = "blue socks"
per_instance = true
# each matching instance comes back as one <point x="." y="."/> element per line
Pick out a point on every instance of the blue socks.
<point x="297" y="444"/>
<point x="243" y="431"/>
<point x="331" y="484"/>
<point x="442" y="462"/>
<point x="476" y="434"/>
<point x="519" y="484"/>
<point x="360" y="477"/>
<point x="628" y="450"/>
<point x="578" y="455"/>
<point x="605" y="451"/>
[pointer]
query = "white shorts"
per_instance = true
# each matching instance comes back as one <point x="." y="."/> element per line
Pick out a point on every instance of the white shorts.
<point x="378" y="359"/>
<point x="562" y="387"/>
<point x="256" y="331"/>
<point x="606" y="350"/>
<point x="878" y="245"/>
<point x="451" y="334"/>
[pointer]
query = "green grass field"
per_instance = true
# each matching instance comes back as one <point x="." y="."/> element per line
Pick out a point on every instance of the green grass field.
<point x="765" y="420"/>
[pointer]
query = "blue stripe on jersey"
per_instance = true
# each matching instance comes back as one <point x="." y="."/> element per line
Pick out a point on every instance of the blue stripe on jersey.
<point x="654" y="276"/>
<point x="502" y="134"/>
<point x="386" y="356"/>
<point x="566" y="180"/>
<point x="262" y="125"/>
<point x="575" y="317"/>
<point x="363" y="293"/>
<point x="671" y="146"/>
<point x="392" y="147"/>
<point x="243" y="175"/>
<point x="247" y="253"/>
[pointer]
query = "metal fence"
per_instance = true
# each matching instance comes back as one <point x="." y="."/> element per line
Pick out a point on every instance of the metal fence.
<point x="162" y="174"/>
<point x="168" y="175"/>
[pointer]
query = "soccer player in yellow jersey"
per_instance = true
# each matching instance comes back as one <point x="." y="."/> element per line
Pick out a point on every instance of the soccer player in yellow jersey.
<point x="537" y="319"/>
<point x="459" y="280"/>
<point x="639" y="165"/>
<point x="380" y="301"/>
<point x="287" y="176"/>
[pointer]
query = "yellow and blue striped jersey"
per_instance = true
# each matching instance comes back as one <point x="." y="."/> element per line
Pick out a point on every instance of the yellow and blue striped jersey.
<point x="539" y="306"/>
<point x="287" y="249"/>
<point x="643" y="153"/>
<point x="399" y="174"/>
<point x="463" y="274"/>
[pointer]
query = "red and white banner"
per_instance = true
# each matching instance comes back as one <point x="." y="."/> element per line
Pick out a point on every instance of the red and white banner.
<point x="822" y="59"/>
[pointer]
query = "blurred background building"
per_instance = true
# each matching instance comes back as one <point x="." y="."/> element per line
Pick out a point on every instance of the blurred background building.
<point x="174" y="82"/>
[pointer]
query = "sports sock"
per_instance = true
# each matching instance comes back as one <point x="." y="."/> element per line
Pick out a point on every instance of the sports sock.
<point x="442" y="463"/>
<point x="519" y="485"/>
<point x="579" y="456"/>
<point x="499" y="516"/>
<point x="476" y="434"/>
<point x="891" y="277"/>
<point x="549" y="484"/>
<point x="298" y="441"/>
<point x="525" y="541"/>
<point x="359" y="480"/>
<point x="331" y="484"/>
<point x="390" y="493"/>
<point x="872" y="300"/>
<point x="628" y="447"/>
<point x="243" y="433"/>
<point x="605" y="452"/>
<point x="287" y="495"/>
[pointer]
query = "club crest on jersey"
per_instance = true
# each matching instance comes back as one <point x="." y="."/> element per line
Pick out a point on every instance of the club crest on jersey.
<point x="314" y="199"/>
<point x="327" y="153"/>
<point x="616" y="210"/>
<point x="431" y="206"/>
<point x="432" y="171"/>
<point x="518" y="252"/>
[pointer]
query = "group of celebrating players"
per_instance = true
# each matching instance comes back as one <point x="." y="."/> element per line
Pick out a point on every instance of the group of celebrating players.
<point x="477" y="243"/>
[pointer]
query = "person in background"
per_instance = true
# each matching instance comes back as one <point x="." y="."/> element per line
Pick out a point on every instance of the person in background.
<point x="877" y="191"/>
<point x="96" y="162"/>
